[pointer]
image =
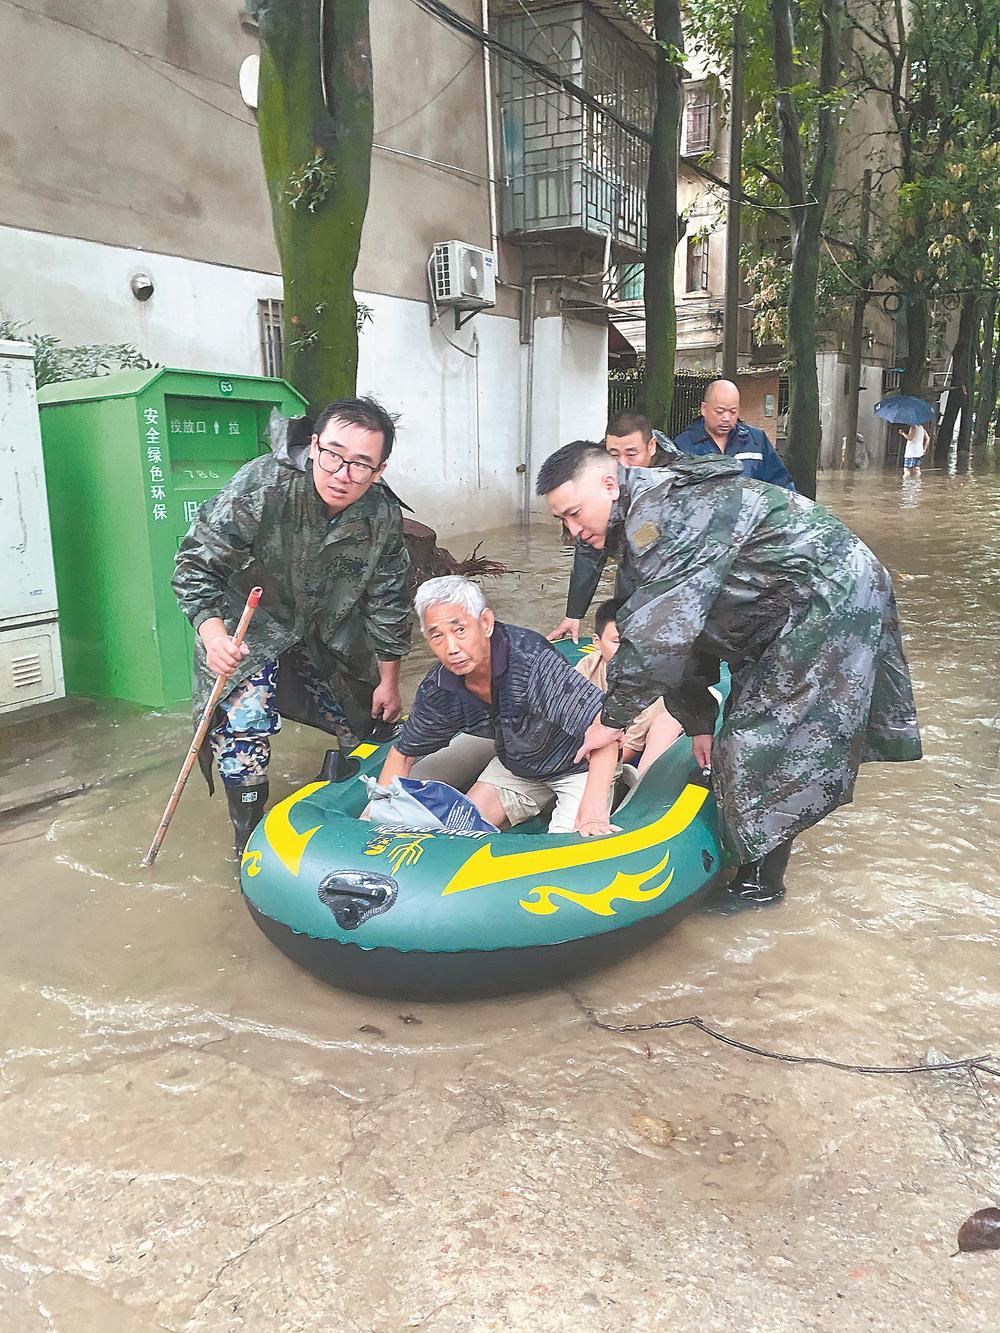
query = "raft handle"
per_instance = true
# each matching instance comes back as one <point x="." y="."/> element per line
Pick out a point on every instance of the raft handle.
<point x="354" y="896"/>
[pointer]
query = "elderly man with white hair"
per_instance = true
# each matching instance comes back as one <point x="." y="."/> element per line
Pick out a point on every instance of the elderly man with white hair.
<point x="510" y="685"/>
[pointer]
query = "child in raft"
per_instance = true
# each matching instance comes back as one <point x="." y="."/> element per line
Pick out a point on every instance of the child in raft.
<point x="654" y="730"/>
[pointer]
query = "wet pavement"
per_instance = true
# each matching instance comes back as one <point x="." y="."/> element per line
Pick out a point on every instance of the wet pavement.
<point x="195" y="1135"/>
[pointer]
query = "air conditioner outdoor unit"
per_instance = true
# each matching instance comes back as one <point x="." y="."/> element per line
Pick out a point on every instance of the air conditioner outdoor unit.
<point x="463" y="276"/>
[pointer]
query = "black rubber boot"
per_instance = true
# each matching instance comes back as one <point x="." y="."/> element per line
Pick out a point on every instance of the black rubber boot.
<point x="246" y="810"/>
<point x="763" y="881"/>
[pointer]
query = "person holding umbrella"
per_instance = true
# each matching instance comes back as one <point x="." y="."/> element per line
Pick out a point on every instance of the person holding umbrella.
<point x="916" y="442"/>
<point x="903" y="409"/>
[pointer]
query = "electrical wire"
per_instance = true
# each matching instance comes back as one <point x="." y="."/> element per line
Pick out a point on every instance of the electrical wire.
<point x="386" y="129"/>
<point x="431" y="162"/>
<point x="144" y="56"/>
<point x="539" y="29"/>
<point x="148" y="62"/>
<point x="445" y="14"/>
<point x="972" y="1064"/>
<point x="436" y="323"/>
<point x="457" y="23"/>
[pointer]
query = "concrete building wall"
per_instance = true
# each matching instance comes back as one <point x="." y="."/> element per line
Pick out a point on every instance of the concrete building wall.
<point x="569" y="395"/>
<point x="832" y="371"/>
<point x="201" y="316"/>
<point x="123" y="123"/>
<point x="141" y="156"/>
<point x="143" y="140"/>
<point x="462" y="417"/>
<point x="461" y="427"/>
<point x="759" y="402"/>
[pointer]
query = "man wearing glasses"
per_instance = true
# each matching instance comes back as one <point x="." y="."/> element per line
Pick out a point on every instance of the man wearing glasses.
<point x="325" y="542"/>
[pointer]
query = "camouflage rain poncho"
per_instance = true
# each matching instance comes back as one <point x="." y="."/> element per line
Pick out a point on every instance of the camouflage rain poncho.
<point x="338" y="589"/>
<point x="801" y="610"/>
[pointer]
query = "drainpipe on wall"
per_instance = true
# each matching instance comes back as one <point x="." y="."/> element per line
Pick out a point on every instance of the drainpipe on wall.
<point x="528" y="336"/>
<point x="491" y="171"/>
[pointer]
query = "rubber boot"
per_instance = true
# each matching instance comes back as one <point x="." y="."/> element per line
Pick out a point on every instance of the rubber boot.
<point x="246" y="810"/>
<point x="763" y="881"/>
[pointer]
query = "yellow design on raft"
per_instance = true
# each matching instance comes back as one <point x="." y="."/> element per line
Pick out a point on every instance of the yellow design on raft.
<point x="600" y="902"/>
<point x="486" y="867"/>
<point x="286" y="842"/>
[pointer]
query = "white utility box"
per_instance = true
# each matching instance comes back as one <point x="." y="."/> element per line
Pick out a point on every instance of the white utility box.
<point x="30" y="657"/>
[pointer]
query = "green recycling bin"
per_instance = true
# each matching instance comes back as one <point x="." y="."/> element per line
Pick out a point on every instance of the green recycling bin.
<point x="129" y="457"/>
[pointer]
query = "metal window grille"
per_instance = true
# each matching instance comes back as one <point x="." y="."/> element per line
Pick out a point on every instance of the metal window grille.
<point x="625" y="390"/>
<point x="698" y="121"/>
<point x="782" y="395"/>
<point x="633" y="282"/>
<point x="270" y="314"/>
<point x="566" y="167"/>
<point x="697" y="264"/>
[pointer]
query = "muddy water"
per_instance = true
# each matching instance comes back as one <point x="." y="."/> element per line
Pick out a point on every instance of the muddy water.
<point x="196" y="1135"/>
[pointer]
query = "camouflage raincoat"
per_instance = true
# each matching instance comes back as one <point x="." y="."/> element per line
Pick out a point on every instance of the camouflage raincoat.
<point x="337" y="588"/>
<point x="801" y="610"/>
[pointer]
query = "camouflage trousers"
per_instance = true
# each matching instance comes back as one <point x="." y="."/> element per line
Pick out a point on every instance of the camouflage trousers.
<point x="248" y="717"/>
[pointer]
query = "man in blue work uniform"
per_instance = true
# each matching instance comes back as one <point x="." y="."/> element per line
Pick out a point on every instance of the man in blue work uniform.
<point x="719" y="431"/>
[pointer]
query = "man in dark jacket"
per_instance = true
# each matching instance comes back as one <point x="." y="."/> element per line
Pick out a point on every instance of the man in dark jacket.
<point x="719" y="431"/>
<point x="325" y="542"/>
<point x="511" y="685"/>
<point x="631" y="441"/>
<point x="779" y="588"/>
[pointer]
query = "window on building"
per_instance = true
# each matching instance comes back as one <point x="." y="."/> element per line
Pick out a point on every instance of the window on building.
<point x="698" y="121"/>
<point x="269" y="317"/>
<point x="697" y="264"/>
<point x="632" y="282"/>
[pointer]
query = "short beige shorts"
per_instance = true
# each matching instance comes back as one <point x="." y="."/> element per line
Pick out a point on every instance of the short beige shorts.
<point x="524" y="798"/>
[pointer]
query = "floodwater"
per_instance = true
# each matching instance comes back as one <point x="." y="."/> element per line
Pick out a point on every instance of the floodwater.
<point x="196" y="1135"/>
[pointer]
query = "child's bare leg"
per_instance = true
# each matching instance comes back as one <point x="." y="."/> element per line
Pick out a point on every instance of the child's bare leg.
<point x="659" y="738"/>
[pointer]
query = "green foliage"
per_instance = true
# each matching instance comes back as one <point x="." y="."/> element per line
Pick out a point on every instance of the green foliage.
<point x="56" y="362"/>
<point x="940" y="73"/>
<point x="311" y="184"/>
<point x="935" y="64"/>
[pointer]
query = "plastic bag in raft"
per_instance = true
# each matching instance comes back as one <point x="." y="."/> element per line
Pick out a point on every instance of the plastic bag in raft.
<point x="407" y="803"/>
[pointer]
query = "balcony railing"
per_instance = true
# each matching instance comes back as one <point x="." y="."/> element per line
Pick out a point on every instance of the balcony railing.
<point x="568" y="168"/>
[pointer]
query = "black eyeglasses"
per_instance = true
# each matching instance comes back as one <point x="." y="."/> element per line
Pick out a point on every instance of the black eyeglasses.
<point x="331" y="463"/>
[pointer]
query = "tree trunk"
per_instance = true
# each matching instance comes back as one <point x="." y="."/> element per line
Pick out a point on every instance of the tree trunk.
<point x="969" y="378"/>
<point x="986" y="398"/>
<point x="917" y="334"/>
<point x="662" y="223"/>
<point x="805" y="431"/>
<point x="808" y="200"/>
<point x="315" y="120"/>
<point x="958" y="394"/>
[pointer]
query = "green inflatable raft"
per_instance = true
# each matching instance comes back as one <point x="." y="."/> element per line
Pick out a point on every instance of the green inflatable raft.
<point x="420" y="915"/>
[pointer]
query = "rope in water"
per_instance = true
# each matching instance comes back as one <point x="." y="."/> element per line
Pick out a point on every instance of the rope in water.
<point x="980" y="1064"/>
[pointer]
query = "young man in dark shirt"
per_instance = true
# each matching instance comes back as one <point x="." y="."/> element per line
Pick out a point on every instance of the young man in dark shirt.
<point x="632" y="442"/>
<point x="509" y="684"/>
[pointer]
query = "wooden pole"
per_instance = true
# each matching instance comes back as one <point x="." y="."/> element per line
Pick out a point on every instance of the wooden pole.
<point x="200" y="733"/>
